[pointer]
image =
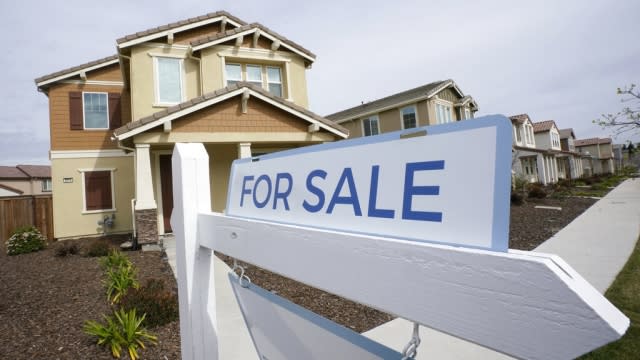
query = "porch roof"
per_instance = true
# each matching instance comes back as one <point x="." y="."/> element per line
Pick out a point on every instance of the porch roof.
<point x="206" y="100"/>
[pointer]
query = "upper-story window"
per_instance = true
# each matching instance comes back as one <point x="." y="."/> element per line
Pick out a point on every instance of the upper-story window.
<point x="555" y="140"/>
<point x="95" y="110"/>
<point x="46" y="185"/>
<point x="168" y="80"/>
<point x="516" y="129"/>
<point x="443" y="113"/>
<point x="528" y="134"/>
<point x="409" y="117"/>
<point x="267" y="77"/>
<point x="371" y="125"/>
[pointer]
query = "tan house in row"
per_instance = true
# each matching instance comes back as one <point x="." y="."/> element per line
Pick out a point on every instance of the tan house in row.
<point x="25" y="180"/>
<point x="439" y="102"/>
<point x="598" y="155"/>
<point x="238" y="88"/>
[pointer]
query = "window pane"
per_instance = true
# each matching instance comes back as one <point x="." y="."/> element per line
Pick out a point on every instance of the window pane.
<point x="370" y="126"/>
<point x="95" y="111"/>
<point x="273" y="74"/>
<point x="233" y="73"/>
<point x="275" y="89"/>
<point x="169" y="80"/>
<point x="254" y="74"/>
<point x="408" y="117"/>
<point x="374" y="126"/>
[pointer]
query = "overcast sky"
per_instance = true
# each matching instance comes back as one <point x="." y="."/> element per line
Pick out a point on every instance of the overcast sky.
<point x="560" y="60"/>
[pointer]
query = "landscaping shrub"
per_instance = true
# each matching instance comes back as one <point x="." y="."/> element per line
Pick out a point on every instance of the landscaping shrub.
<point x="537" y="191"/>
<point x="119" y="281"/>
<point x="98" y="248"/>
<point x="123" y="330"/>
<point x="114" y="259"/>
<point x="516" y="198"/>
<point x="66" y="248"/>
<point x="158" y="304"/>
<point x="25" y="240"/>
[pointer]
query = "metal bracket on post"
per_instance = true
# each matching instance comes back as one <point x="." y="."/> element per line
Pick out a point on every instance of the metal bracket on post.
<point x="411" y="349"/>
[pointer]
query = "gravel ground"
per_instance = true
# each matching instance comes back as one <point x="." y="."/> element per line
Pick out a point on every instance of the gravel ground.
<point x="46" y="299"/>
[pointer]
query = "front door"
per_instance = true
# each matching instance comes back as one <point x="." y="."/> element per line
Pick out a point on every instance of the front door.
<point x="166" y="187"/>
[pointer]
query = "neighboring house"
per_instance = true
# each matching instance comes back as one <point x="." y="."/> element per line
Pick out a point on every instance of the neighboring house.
<point x="25" y="180"/>
<point x="238" y="88"/>
<point x="569" y="159"/>
<point x="528" y="161"/>
<point x="598" y="155"/>
<point x="548" y="139"/>
<point x="439" y="102"/>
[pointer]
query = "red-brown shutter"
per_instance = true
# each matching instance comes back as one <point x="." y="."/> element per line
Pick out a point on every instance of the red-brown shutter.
<point x="75" y="110"/>
<point x="115" y="111"/>
<point x="97" y="187"/>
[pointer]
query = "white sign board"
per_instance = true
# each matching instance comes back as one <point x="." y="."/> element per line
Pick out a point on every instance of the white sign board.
<point x="444" y="184"/>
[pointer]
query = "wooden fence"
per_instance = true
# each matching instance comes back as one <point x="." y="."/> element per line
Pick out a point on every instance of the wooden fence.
<point x="20" y="211"/>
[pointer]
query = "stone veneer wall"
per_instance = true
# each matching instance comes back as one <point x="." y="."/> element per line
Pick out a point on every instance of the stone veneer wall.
<point x="147" y="226"/>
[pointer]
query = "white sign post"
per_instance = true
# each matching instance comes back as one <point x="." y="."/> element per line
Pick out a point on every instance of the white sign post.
<point x="417" y="266"/>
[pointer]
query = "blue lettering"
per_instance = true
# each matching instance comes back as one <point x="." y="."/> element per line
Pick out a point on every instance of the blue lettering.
<point x="261" y="204"/>
<point x="282" y="194"/>
<point x="315" y="190"/>
<point x="373" y="193"/>
<point x="347" y="176"/>
<point x="410" y="190"/>
<point x="245" y="191"/>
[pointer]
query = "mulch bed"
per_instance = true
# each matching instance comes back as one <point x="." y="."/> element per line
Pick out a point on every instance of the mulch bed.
<point x="44" y="299"/>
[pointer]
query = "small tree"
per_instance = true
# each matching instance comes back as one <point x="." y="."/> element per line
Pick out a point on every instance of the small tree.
<point x="627" y="119"/>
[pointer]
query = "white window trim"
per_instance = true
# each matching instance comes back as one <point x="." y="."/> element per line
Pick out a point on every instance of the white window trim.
<point x="84" y="195"/>
<point x="45" y="188"/>
<point x="84" y="125"/>
<point x="445" y="103"/>
<point x="369" y="117"/>
<point x="467" y="113"/>
<point x="269" y="82"/>
<point x="284" y="70"/>
<point x="156" y="81"/>
<point x="415" y="111"/>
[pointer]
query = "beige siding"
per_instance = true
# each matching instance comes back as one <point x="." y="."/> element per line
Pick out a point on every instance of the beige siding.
<point x="143" y="99"/>
<point x="69" y="219"/>
<point x="293" y="69"/>
<point x="423" y="113"/>
<point x="186" y="37"/>
<point x="354" y="127"/>
<point x="389" y="121"/>
<point x="449" y="95"/>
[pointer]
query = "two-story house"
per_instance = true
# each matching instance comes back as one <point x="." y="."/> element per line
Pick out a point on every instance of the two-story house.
<point x="238" y="88"/>
<point x="569" y="159"/>
<point x="598" y="155"/>
<point x="439" y="102"/>
<point x="548" y="138"/>
<point x="25" y="180"/>
<point x="528" y="161"/>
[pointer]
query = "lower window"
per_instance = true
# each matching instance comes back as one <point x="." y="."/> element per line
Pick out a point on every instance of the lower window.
<point x="370" y="126"/>
<point x="98" y="190"/>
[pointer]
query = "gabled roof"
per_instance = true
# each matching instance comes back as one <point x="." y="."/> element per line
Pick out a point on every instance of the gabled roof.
<point x="592" y="141"/>
<point x="237" y="89"/>
<point x="36" y="171"/>
<point x="402" y="98"/>
<point x="543" y="126"/>
<point x="182" y="25"/>
<point x="567" y="133"/>
<point x="76" y="70"/>
<point x="521" y="118"/>
<point x="219" y="38"/>
<point x="12" y="172"/>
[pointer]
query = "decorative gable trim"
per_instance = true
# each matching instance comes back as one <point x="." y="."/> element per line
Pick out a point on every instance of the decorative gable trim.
<point x="76" y="71"/>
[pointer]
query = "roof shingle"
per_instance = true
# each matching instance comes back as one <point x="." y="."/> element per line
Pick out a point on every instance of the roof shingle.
<point x="36" y="171"/>
<point x="543" y="125"/>
<point x="421" y="91"/>
<point x="592" y="141"/>
<point x="12" y="172"/>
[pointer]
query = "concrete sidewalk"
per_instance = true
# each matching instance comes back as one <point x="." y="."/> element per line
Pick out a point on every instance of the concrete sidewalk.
<point x="597" y="244"/>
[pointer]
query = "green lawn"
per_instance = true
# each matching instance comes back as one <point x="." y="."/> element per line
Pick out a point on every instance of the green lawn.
<point x="624" y="293"/>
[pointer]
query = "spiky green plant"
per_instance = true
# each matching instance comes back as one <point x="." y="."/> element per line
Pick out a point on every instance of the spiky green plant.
<point x="123" y="330"/>
<point x="119" y="281"/>
<point x="114" y="260"/>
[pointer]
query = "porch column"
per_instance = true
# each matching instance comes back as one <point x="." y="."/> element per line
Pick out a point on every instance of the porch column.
<point x="244" y="150"/>
<point x="542" y="171"/>
<point x="146" y="209"/>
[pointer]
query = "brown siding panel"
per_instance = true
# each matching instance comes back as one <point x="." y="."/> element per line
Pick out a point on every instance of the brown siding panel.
<point x="115" y="111"/>
<point x="227" y="116"/>
<point x="109" y="73"/>
<point x="75" y="111"/>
